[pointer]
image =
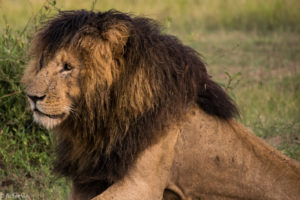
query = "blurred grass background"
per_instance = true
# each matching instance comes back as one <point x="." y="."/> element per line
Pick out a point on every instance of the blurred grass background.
<point x="251" y="47"/>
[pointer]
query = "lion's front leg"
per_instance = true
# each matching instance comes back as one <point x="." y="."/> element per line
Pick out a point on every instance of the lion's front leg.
<point x="148" y="178"/>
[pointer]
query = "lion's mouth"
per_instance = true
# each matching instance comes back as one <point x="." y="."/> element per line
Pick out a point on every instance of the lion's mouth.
<point x="50" y="116"/>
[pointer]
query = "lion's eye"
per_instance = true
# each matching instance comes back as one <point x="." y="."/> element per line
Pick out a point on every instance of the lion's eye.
<point x="67" y="67"/>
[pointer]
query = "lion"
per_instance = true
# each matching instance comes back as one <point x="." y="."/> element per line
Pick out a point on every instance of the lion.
<point x="135" y="115"/>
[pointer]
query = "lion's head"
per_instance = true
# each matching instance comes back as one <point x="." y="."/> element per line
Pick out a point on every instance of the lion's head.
<point x="108" y="83"/>
<point x="69" y="67"/>
<point x="53" y="87"/>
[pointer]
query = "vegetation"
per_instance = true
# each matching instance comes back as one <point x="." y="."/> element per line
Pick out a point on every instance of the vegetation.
<point x="251" y="47"/>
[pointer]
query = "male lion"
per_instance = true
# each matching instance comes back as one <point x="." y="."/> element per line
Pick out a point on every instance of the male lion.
<point x="136" y="116"/>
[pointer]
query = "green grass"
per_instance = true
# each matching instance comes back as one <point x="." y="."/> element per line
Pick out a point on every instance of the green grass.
<point x="207" y="14"/>
<point x="251" y="47"/>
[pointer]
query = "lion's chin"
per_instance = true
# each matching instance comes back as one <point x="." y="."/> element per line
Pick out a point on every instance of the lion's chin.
<point x="47" y="121"/>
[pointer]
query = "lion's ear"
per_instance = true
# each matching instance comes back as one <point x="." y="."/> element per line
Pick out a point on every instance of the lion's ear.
<point x="117" y="36"/>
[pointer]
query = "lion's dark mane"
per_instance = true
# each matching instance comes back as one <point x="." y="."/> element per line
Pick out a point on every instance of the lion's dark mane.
<point x="177" y="71"/>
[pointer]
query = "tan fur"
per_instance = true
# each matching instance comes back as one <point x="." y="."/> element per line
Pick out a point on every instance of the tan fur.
<point x="224" y="160"/>
<point x="212" y="159"/>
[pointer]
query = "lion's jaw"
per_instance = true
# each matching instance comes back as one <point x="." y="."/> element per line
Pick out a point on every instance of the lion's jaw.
<point x="54" y="87"/>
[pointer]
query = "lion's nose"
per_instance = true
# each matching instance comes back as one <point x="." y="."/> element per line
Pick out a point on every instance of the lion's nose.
<point x="36" y="98"/>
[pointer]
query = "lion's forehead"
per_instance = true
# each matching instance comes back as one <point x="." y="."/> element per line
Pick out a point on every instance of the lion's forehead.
<point x="63" y="56"/>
